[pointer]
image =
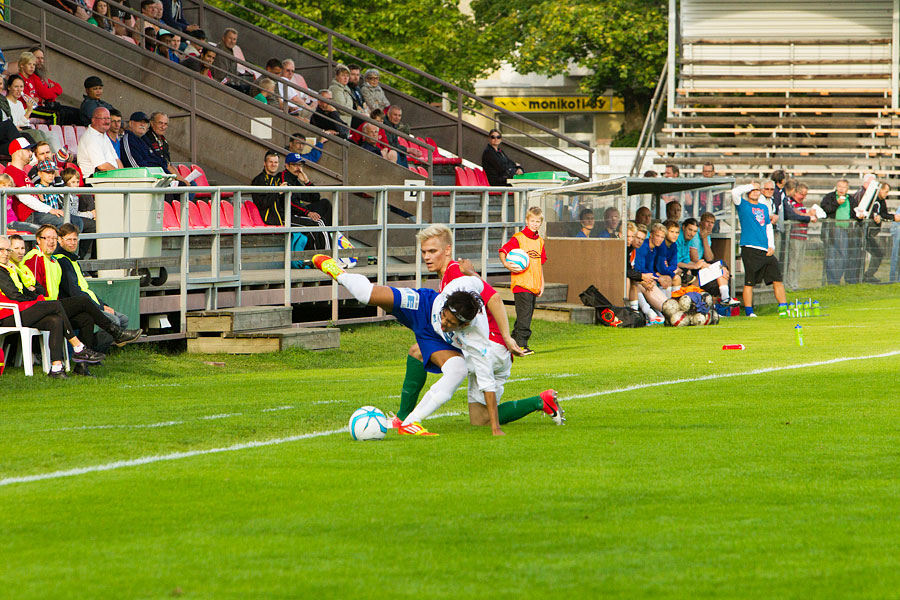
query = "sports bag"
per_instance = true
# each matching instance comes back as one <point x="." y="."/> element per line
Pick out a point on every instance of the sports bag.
<point x="609" y="314"/>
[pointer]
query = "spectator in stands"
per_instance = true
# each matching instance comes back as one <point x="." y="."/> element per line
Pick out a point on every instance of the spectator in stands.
<point x="19" y="113"/>
<point x="270" y="204"/>
<point x="878" y="213"/>
<point x="643" y="216"/>
<point x="650" y="173"/>
<point x="35" y="311"/>
<point x="115" y="132"/>
<point x="44" y="94"/>
<point x="93" y="90"/>
<point x="389" y="139"/>
<point x="497" y="166"/>
<point x="372" y="93"/>
<point x="167" y="45"/>
<point x="586" y="217"/>
<point x="340" y="92"/>
<point x="369" y="141"/>
<point x="298" y="144"/>
<point x="779" y="178"/>
<point x="193" y="48"/>
<point x="274" y="71"/>
<point x="306" y="205"/>
<point x="708" y="170"/>
<point x="838" y="230"/>
<point x="359" y="104"/>
<point x="100" y="15"/>
<point x="611" y="220"/>
<point x="12" y="219"/>
<point x="356" y="133"/>
<point x="201" y="64"/>
<point x="794" y="210"/>
<point x="126" y="29"/>
<point x="672" y="171"/>
<point x="673" y="211"/>
<point x="82" y="312"/>
<point x="73" y="7"/>
<point x="173" y="16"/>
<point x="95" y="150"/>
<point x="326" y="117"/>
<point x="767" y="197"/>
<point x="152" y="9"/>
<point x="81" y="206"/>
<point x="65" y="115"/>
<point x="138" y="145"/>
<point x="266" y="93"/>
<point x="48" y="177"/>
<point x="28" y="207"/>
<point x="299" y="102"/>
<point x="235" y="73"/>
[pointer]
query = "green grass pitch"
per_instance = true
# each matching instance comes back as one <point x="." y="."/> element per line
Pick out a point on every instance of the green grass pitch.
<point x="783" y="483"/>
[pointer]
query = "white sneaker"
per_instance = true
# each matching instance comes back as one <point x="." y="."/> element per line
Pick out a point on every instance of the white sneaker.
<point x="752" y="315"/>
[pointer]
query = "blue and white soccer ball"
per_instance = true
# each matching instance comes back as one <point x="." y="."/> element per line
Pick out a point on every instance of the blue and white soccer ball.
<point x="368" y="423"/>
<point x="518" y="257"/>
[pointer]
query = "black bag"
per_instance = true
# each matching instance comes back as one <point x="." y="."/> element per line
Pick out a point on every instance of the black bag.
<point x="609" y="314"/>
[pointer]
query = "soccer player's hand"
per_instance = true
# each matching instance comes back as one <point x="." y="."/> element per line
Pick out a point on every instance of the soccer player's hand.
<point x="466" y="266"/>
<point x="497" y="431"/>
<point x="513" y="347"/>
<point x="770" y="251"/>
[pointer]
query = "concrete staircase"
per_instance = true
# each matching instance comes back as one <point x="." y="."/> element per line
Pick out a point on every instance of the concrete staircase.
<point x="253" y="330"/>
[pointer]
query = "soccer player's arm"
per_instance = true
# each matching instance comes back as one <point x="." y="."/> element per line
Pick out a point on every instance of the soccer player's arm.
<point x="494" y="304"/>
<point x="770" y="237"/>
<point x="739" y="191"/>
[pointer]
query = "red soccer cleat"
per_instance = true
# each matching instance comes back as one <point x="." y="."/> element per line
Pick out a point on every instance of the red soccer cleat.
<point x="552" y="407"/>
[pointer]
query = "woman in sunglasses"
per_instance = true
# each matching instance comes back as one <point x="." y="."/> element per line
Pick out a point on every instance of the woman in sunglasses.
<point x="497" y="166"/>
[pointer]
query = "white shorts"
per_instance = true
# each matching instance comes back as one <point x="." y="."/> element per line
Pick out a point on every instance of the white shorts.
<point x="501" y="362"/>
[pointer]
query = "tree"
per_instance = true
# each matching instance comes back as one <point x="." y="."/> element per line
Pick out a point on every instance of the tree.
<point x="623" y="43"/>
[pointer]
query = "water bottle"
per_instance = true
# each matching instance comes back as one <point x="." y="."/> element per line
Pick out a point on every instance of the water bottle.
<point x="817" y="312"/>
<point x="807" y="308"/>
<point x="799" y="330"/>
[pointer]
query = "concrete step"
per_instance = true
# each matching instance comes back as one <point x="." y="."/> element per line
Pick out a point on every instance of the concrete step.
<point x="553" y="293"/>
<point x="269" y="340"/>
<point x="242" y="318"/>
<point x="561" y="312"/>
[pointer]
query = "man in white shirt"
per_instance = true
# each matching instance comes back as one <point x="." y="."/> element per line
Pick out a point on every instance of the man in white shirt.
<point x="95" y="149"/>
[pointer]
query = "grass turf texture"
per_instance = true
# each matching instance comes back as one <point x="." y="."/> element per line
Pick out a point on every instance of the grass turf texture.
<point x="782" y="484"/>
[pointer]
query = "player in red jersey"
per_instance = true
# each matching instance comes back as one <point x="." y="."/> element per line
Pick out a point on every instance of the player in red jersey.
<point x="436" y="247"/>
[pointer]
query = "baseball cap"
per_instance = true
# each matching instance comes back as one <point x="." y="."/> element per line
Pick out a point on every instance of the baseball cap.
<point x="163" y="32"/>
<point x="47" y="166"/>
<point x="139" y="116"/>
<point x="92" y="81"/>
<point x="293" y="158"/>
<point x="20" y="143"/>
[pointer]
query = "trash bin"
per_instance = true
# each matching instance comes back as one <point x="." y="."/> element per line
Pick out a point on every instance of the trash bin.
<point x="122" y="293"/>
<point x="146" y="213"/>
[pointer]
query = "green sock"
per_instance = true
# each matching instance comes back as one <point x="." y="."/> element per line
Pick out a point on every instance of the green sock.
<point x="412" y="386"/>
<point x="514" y="410"/>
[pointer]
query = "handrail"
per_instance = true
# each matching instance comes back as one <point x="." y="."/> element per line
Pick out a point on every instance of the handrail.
<point x="459" y="92"/>
<point x="646" y="139"/>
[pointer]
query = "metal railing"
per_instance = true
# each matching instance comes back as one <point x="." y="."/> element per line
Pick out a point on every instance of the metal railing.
<point x="461" y="102"/>
<point x="208" y="270"/>
<point x="648" y="131"/>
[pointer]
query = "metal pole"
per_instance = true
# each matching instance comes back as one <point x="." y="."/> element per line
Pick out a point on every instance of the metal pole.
<point x="236" y="257"/>
<point x="673" y="49"/>
<point x="895" y="58"/>
<point x="485" y="207"/>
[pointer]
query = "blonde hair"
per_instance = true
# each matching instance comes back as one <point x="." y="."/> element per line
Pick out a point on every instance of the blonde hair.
<point x="6" y="180"/>
<point x="437" y="230"/>
<point x="534" y="211"/>
<point x="658" y="227"/>
<point x="642" y="228"/>
<point x="632" y="227"/>
<point x="25" y="58"/>
<point x="266" y="84"/>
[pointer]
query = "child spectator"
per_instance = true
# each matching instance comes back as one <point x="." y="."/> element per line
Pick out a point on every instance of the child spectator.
<point x="757" y="246"/>
<point x="49" y="177"/>
<point x="527" y="284"/>
<point x="93" y="90"/>
<point x="78" y="208"/>
<point x="266" y="90"/>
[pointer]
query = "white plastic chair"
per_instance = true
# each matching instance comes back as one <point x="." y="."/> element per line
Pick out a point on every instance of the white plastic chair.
<point x="26" y="335"/>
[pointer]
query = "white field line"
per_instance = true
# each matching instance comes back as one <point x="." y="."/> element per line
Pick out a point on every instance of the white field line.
<point x="146" y="460"/>
<point x="222" y="416"/>
<point x="147" y="426"/>
<point x="641" y="386"/>
<point x="273" y="442"/>
<point x="288" y="407"/>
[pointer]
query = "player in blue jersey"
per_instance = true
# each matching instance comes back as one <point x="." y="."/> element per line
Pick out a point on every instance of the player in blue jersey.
<point x="757" y="246"/>
<point x="441" y="322"/>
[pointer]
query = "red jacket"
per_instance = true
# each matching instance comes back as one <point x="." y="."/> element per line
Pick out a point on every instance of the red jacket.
<point x="41" y="91"/>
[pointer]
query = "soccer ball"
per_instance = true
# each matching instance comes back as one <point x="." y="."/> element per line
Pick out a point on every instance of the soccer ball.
<point x="680" y="319"/>
<point x="699" y="319"/>
<point x="713" y="317"/>
<point x="368" y="423"/>
<point x="518" y="257"/>
<point x="708" y="300"/>
<point x="670" y="307"/>
<point x="685" y="303"/>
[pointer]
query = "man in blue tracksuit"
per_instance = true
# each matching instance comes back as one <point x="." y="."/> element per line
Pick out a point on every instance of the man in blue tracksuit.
<point x="757" y="245"/>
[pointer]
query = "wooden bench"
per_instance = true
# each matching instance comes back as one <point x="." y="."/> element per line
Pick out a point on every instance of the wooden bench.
<point x="781" y="141"/>
<point x="782" y="100"/>
<point x="820" y="91"/>
<point x="806" y="130"/>
<point x="779" y="109"/>
<point x="802" y="121"/>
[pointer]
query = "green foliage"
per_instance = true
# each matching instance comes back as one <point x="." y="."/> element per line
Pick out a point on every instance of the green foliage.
<point x="431" y="35"/>
<point x="621" y="42"/>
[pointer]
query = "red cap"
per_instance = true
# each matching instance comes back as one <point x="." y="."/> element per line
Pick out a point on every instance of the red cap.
<point x="20" y="143"/>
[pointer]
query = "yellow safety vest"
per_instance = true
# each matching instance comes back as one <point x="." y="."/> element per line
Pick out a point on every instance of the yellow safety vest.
<point x="82" y="283"/>
<point x="11" y="268"/>
<point x="533" y="277"/>
<point x="52" y="271"/>
<point x="25" y="274"/>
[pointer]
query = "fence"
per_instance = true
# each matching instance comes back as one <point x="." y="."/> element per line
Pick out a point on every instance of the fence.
<point x="228" y="264"/>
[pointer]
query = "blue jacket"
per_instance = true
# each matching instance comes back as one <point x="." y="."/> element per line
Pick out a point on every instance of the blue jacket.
<point x="645" y="258"/>
<point x="136" y="152"/>
<point x="667" y="259"/>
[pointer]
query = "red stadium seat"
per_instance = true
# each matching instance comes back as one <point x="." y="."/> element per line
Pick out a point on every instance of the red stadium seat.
<point x="205" y="213"/>
<point x="438" y="158"/>
<point x="471" y="178"/>
<point x="42" y="127"/>
<point x="183" y="170"/>
<point x="69" y="137"/>
<point x="202" y="181"/>
<point x="170" y="219"/>
<point x="255" y="218"/>
<point x="58" y="130"/>
<point x="460" y="177"/>
<point x="226" y="213"/>
<point x="195" y="219"/>
<point x="79" y="131"/>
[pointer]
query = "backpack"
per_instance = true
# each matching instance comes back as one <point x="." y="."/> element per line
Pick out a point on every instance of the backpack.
<point x="609" y="314"/>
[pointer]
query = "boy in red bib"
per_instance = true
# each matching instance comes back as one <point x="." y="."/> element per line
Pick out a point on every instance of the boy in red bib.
<point x="527" y="284"/>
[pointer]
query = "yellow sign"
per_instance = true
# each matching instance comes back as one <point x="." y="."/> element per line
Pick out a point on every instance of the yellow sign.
<point x="561" y="104"/>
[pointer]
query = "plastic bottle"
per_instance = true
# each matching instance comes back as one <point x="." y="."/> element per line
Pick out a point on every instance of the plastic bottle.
<point x="799" y="330"/>
<point x="733" y="347"/>
<point x="817" y="312"/>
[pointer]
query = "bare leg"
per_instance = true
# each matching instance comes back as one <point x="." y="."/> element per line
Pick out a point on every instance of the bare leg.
<point x="415" y="352"/>
<point x="780" y="296"/>
<point x="748" y="295"/>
